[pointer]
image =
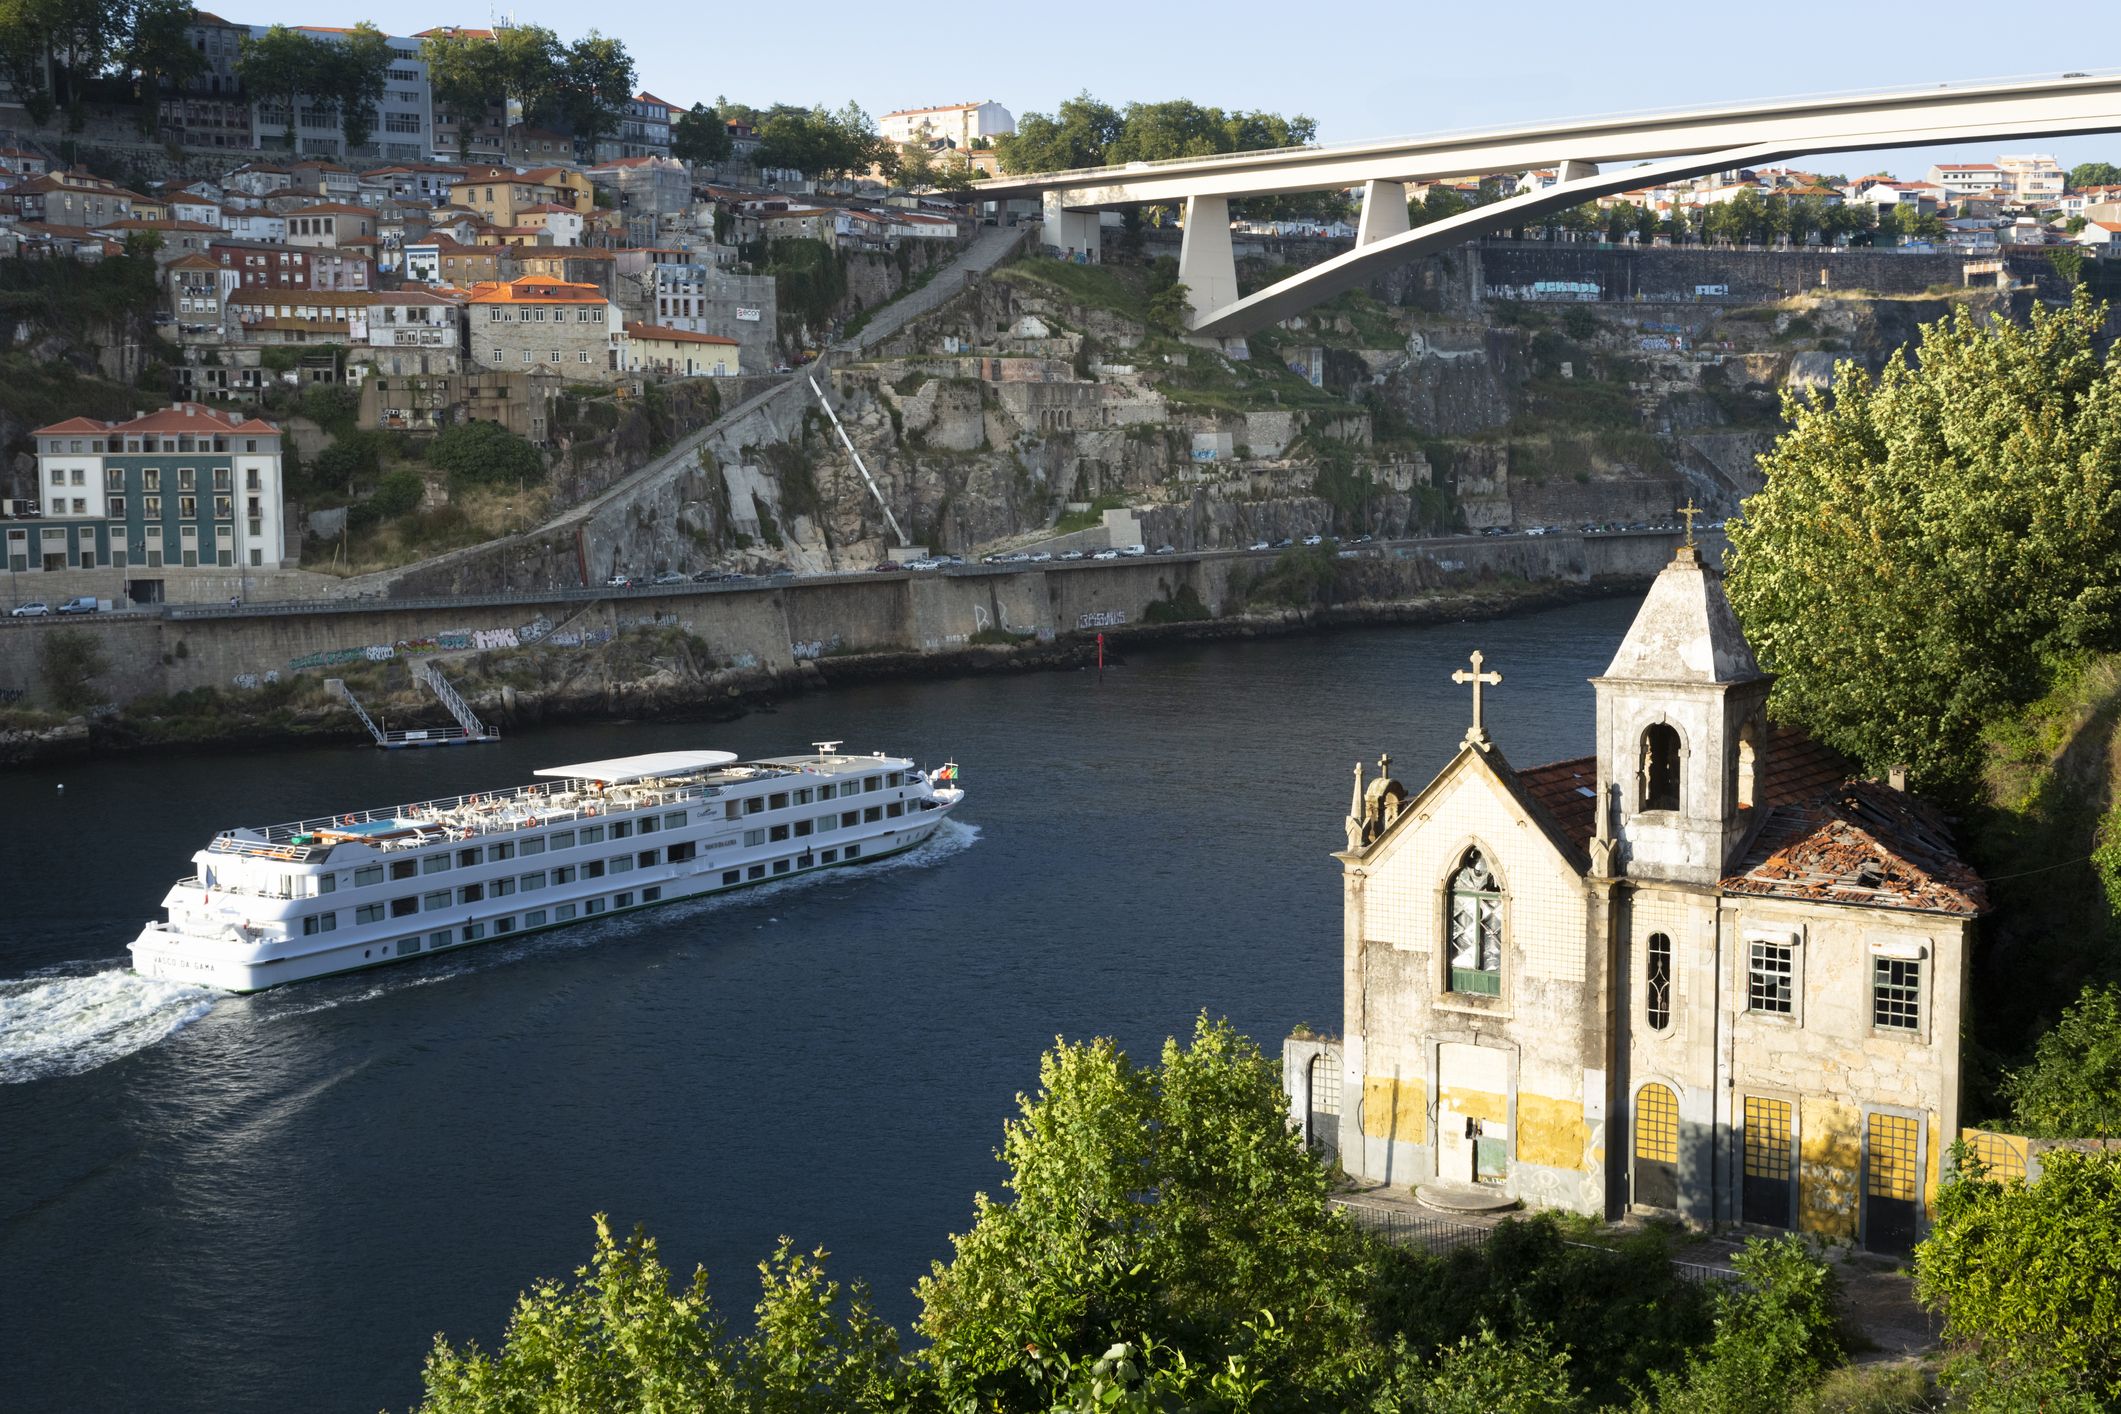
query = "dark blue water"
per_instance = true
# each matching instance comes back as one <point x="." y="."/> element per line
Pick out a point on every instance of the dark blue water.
<point x="276" y="1204"/>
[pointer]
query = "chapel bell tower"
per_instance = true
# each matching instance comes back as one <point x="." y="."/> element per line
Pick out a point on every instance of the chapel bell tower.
<point x="1682" y="732"/>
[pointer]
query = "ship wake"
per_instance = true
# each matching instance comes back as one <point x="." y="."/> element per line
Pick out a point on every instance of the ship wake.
<point x="64" y="1025"/>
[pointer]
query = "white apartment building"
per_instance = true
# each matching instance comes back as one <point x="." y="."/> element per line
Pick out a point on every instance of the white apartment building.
<point x="960" y="124"/>
<point x="2035" y="177"/>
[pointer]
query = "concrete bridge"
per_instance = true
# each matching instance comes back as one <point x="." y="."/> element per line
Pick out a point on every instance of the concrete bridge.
<point x="1671" y="146"/>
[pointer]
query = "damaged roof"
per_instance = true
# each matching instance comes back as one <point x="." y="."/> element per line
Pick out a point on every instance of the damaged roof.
<point x="1861" y="843"/>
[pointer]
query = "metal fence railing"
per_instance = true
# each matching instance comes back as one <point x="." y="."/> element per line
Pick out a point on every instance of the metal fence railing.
<point x="1438" y="1236"/>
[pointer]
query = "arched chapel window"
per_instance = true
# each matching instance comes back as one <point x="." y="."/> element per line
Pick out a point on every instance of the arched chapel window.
<point x="1476" y="928"/>
<point x="1657" y="982"/>
<point x="1660" y="767"/>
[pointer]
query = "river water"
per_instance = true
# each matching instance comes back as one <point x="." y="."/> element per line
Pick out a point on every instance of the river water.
<point x="273" y="1202"/>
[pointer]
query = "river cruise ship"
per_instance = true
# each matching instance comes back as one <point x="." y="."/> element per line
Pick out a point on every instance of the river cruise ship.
<point x="285" y="903"/>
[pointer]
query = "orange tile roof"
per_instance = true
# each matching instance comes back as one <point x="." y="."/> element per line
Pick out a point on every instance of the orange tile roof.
<point x="178" y="417"/>
<point x="535" y="289"/>
<point x="675" y="336"/>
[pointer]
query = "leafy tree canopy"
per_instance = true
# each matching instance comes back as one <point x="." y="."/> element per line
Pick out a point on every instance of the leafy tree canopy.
<point x="1929" y="539"/>
<point x="821" y="143"/>
<point x="485" y="453"/>
<point x="2025" y="1272"/>
<point x="1168" y="1204"/>
<point x="1085" y="132"/>
<point x="2094" y="174"/>
<point x="699" y="136"/>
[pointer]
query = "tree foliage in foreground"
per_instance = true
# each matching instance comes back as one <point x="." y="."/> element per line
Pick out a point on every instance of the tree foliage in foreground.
<point x="2024" y="1275"/>
<point x="1930" y="538"/>
<point x="1167" y="1205"/>
<point x="1165" y="1244"/>
<point x="485" y="454"/>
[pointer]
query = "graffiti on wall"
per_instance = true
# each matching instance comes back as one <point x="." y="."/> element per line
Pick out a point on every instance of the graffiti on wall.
<point x="1103" y="618"/>
<point x="12" y="694"/>
<point x="815" y="648"/>
<point x="254" y="680"/>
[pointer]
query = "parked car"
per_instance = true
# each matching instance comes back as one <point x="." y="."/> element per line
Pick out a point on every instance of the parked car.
<point x="1314" y="540"/>
<point x="619" y="581"/>
<point x="670" y="577"/>
<point x="1042" y="557"/>
<point x="1073" y="555"/>
<point x="1106" y="555"/>
<point x="34" y="609"/>
<point x="1284" y="543"/>
<point x="1167" y="549"/>
<point x="1261" y="545"/>
<point x="1133" y="550"/>
<point x="80" y="604"/>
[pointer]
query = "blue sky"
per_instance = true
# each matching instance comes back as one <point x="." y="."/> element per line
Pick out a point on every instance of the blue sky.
<point x="1363" y="69"/>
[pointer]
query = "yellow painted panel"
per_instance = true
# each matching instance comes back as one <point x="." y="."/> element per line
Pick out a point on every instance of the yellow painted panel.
<point x="1484" y="1105"/>
<point x="1550" y="1132"/>
<point x="1395" y="1109"/>
<point x="1829" y="1167"/>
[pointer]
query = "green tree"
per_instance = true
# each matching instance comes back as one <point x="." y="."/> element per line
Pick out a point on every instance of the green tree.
<point x="1078" y="134"/>
<point x="1482" y="1374"/>
<point x="527" y="62"/>
<point x="1928" y="539"/>
<point x="594" y="82"/>
<point x="700" y="136"/>
<point x="1436" y="203"/>
<point x="159" y="54"/>
<point x="1168" y="1205"/>
<point x="1777" y="1332"/>
<point x="351" y="75"/>
<point x="2094" y="174"/>
<point x="817" y="1347"/>
<point x="70" y="660"/>
<point x="283" y="65"/>
<point x="2072" y="1087"/>
<point x="485" y="454"/>
<point x="2024" y="1273"/>
<point x="467" y="80"/>
<point x="617" y="1338"/>
<point x="819" y="143"/>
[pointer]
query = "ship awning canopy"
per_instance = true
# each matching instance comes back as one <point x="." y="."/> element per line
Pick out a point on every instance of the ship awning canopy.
<point x="620" y="769"/>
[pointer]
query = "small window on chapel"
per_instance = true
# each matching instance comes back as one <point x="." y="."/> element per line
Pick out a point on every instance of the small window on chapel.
<point x="1660" y="767"/>
<point x="1657" y="982"/>
<point x="1476" y="928"/>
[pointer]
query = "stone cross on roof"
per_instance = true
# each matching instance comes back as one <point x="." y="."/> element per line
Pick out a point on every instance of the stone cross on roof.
<point x="1476" y="735"/>
<point x="1687" y="512"/>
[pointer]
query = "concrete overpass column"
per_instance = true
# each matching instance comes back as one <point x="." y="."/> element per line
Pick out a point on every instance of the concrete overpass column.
<point x="1070" y="230"/>
<point x="1384" y="211"/>
<point x="1206" y="265"/>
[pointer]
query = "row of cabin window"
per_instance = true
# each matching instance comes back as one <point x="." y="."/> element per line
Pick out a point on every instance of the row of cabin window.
<point x="1475" y="927"/>
<point x="472" y="855"/>
<point x="438" y="899"/>
<point x="825" y="824"/>
<point x="567" y="912"/>
<point x="782" y="800"/>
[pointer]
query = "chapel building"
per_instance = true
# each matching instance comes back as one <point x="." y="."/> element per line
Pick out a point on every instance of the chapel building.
<point x="1703" y="972"/>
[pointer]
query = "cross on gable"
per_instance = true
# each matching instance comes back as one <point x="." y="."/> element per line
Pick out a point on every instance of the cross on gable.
<point x="1687" y="513"/>
<point x="1477" y="735"/>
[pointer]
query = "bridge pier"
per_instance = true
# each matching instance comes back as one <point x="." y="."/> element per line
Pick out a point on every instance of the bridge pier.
<point x="1207" y="266"/>
<point x="1384" y="212"/>
<point x="1071" y="230"/>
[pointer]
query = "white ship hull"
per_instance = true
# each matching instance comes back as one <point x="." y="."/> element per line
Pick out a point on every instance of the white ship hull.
<point x="292" y="903"/>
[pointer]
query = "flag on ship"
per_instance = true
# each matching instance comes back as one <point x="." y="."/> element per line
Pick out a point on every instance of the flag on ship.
<point x="947" y="772"/>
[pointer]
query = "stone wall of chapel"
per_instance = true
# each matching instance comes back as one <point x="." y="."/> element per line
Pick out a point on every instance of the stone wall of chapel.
<point x="1830" y="1057"/>
<point x="1398" y="1006"/>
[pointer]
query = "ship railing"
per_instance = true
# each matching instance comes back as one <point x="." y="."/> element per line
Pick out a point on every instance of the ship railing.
<point x="474" y="813"/>
<point x="198" y="882"/>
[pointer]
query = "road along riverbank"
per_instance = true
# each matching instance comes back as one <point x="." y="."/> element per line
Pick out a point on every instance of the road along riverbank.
<point x="252" y="676"/>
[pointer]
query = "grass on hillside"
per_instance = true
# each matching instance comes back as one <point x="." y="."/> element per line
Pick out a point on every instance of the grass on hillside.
<point x="1116" y="289"/>
<point x="472" y="517"/>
